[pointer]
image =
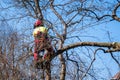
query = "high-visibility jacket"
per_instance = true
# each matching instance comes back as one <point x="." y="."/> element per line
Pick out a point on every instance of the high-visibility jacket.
<point x="39" y="29"/>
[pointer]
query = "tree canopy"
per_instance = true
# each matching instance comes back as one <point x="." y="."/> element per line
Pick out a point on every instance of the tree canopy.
<point x="84" y="34"/>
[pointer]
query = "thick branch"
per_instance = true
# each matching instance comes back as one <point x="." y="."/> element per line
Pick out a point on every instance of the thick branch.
<point x="114" y="46"/>
<point x="39" y="12"/>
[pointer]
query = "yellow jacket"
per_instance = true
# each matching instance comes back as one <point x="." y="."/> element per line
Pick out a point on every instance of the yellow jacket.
<point x="39" y="29"/>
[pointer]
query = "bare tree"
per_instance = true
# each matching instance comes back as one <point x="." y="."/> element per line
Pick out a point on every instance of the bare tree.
<point x="66" y="20"/>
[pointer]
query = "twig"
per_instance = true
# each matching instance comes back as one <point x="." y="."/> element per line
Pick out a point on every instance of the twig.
<point x="115" y="59"/>
<point x="75" y="63"/>
<point x="94" y="58"/>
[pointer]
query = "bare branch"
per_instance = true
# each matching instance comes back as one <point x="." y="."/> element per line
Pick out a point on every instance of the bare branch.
<point x="114" y="13"/>
<point x="115" y="59"/>
<point x="113" y="46"/>
<point x="91" y="62"/>
<point x="97" y="17"/>
<point x="76" y="65"/>
<point x="61" y="19"/>
<point x="97" y="44"/>
<point x="37" y="8"/>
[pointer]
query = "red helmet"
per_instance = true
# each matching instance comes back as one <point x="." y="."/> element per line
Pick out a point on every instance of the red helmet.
<point x="38" y="23"/>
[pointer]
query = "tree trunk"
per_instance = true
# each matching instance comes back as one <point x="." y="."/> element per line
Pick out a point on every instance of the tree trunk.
<point x="48" y="71"/>
<point x="63" y="67"/>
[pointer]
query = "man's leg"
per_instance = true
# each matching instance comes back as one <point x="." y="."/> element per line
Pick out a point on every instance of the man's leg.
<point x="36" y="50"/>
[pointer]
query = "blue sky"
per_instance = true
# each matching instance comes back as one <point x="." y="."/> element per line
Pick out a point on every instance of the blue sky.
<point x="100" y="32"/>
<point x="105" y="60"/>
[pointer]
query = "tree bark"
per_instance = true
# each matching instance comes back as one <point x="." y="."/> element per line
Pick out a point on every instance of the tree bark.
<point x="38" y="10"/>
<point x="48" y="71"/>
<point x="63" y="67"/>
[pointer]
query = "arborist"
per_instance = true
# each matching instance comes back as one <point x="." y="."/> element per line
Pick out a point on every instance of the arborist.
<point x="42" y="46"/>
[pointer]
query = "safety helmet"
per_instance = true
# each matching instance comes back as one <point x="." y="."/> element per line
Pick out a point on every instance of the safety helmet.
<point x="37" y="23"/>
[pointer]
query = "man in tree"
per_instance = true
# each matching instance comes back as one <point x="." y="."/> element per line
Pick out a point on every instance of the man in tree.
<point x="42" y="42"/>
